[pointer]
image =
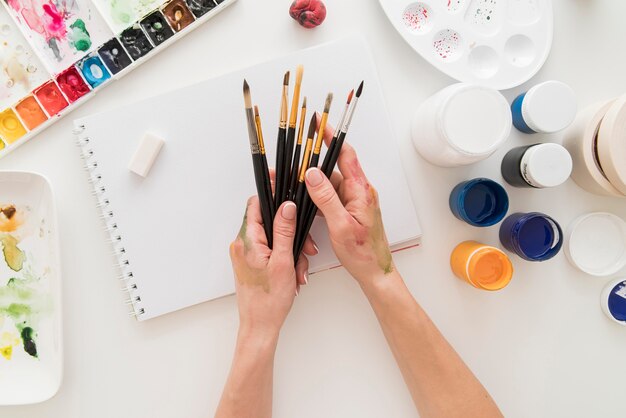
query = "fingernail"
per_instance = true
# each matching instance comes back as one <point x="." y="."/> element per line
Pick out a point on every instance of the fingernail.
<point x="314" y="177"/>
<point x="306" y="277"/>
<point x="289" y="211"/>
<point x="316" y="248"/>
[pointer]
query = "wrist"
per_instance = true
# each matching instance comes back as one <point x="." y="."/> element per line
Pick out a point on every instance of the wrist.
<point x="381" y="283"/>
<point x="257" y="339"/>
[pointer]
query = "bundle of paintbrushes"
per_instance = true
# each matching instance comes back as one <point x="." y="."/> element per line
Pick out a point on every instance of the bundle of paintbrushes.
<point x="290" y="166"/>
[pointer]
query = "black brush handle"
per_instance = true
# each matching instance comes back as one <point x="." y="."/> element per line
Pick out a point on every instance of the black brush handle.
<point x="279" y="193"/>
<point x="264" y="201"/>
<point x="295" y="170"/>
<point x="305" y="206"/>
<point x="291" y="136"/>
<point x="268" y="186"/>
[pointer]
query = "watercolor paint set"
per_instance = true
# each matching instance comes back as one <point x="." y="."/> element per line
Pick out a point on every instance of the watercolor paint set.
<point x="31" y="340"/>
<point x="495" y="43"/>
<point x="57" y="54"/>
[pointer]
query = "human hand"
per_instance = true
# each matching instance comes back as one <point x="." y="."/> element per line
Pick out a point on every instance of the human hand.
<point x="266" y="279"/>
<point x="351" y="207"/>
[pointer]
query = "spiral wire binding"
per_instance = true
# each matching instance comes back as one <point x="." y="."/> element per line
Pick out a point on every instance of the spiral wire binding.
<point x="107" y="215"/>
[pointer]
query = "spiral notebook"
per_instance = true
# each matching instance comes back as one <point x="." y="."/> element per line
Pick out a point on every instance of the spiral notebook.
<point x="171" y="230"/>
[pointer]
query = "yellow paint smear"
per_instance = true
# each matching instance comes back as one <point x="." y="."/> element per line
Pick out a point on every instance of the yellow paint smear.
<point x="7" y="342"/>
<point x="12" y="254"/>
<point x="10" y="218"/>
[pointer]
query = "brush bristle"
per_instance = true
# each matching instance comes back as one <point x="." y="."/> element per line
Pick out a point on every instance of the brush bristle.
<point x="329" y="100"/>
<point x="312" y="126"/>
<point x="304" y="102"/>
<point x="256" y="110"/>
<point x="246" y="94"/>
<point x="350" y="96"/>
<point x="299" y="72"/>
<point x="286" y="79"/>
<point x="360" y="89"/>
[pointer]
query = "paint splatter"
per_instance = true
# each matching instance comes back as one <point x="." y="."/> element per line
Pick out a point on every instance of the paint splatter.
<point x="13" y="255"/>
<point x="80" y="36"/>
<point x="453" y="5"/>
<point x="417" y="17"/>
<point x="483" y="16"/>
<point x="447" y="44"/>
<point x="8" y="340"/>
<point x="10" y="218"/>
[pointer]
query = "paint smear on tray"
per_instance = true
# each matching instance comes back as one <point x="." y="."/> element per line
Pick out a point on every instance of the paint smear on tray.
<point x="62" y="30"/>
<point x="20" y="69"/>
<point x="24" y="297"/>
<point x="121" y="14"/>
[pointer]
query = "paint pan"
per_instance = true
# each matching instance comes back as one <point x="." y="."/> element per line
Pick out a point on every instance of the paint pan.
<point x="479" y="202"/>
<point x="532" y="236"/>
<point x="200" y="7"/>
<point x="30" y="112"/>
<point x="538" y="166"/>
<point x="178" y="15"/>
<point x="11" y="129"/>
<point x="580" y="139"/>
<point x="136" y="42"/>
<point x="546" y="108"/>
<point x="613" y="300"/>
<point x="461" y="124"/>
<point x="114" y="56"/>
<point x="596" y="243"/>
<point x="156" y="27"/>
<point x="72" y="84"/>
<point x="482" y="266"/>
<point x="94" y="71"/>
<point x="51" y="98"/>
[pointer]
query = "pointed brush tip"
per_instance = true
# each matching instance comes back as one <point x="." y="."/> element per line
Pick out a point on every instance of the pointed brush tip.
<point x="256" y="110"/>
<point x="286" y="79"/>
<point x="329" y="100"/>
<point x="304" y="102"/>
<point x="360" y="89"/>
<point x="350" y="96"/>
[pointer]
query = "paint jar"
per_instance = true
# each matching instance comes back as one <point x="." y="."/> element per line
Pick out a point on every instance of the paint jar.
<point x="581" y="140"/>
<point x="532" y="236"/>
<point x="611" y="144"/>
<point x="538" y="166"/>
<point x="613" y="301"/>
<point x="595" y="243"/>
<point x="482" y="266"/>
<point x="479" y="202"/>
<point x="461" y="124"/>
<point x="546" y="108"/>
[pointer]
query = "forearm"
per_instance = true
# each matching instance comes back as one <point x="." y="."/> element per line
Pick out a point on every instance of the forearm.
<point x="248" y="390"/>
<point x="439" y="381"/>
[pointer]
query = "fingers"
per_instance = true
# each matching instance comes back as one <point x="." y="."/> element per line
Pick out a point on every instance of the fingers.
<point x="253" y="211"/>
<point x="329" y="131"/>
<point x="325" y="198"/>
<point x="302" y="270"/>
<point x="336" y="178"/>
<point x="349" y="164"/>
<point x="310" y="248"/>
<point x="273" y="179"/>
<point x="284" y="230"/>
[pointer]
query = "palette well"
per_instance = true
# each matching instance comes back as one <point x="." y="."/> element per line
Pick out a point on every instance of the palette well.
<point x="55" y="56"/>
<point x="494" y="43"/>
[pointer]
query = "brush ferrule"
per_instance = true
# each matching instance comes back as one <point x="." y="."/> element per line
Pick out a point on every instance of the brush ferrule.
<point x="252" y="132"/>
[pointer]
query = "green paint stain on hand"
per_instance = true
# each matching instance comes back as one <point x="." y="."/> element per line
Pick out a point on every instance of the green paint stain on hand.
<point x="80" y="36"/>
<point x="29" y="341"/>
<point x="243" y="232"/>
<point x="381" y="245"/>
<point x="13" y="256"/>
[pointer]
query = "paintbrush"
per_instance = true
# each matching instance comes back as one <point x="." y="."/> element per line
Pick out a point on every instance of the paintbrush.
<point x="279" y="181"/>
<point x="300" y="188"/>
<point x="293" y="178"/>
<point x="257" y="163"/>
<point x="315" y="156"/>
<point x="266" y="172"/>
<point x="291" y="131"/>
<point x="303" y="231"/>
<point x="333" y="141"/>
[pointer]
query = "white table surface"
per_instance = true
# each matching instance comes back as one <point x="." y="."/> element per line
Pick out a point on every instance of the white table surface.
<point x="542" y="346"/>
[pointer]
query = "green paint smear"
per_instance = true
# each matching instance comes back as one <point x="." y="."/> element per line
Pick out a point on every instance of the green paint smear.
<point x="79" y="36"/>
<point x="13" y="256"/>
<point x="21" y="301"/>
<point x="243" y="232"/>
<point x="121" y="11"/>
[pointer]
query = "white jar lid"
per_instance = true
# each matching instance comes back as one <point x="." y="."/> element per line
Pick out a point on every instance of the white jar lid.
<point x="612" y="144"/>
<point x="475" y="120"/>
<point x="596" y="243"/>
<point x="549" y="107"/>
<point x="546" y="165"/>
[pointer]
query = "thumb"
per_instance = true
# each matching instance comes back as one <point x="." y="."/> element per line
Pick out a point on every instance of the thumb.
<point x="285" y="230"/>
<point x="325" y="197"/>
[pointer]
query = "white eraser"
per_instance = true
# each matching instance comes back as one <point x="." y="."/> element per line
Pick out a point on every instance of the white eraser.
<point x="146" y="154"/>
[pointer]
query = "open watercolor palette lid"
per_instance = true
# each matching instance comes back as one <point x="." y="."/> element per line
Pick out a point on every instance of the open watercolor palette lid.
<point x="494" y="43"/>
<point x="31" y="359"/>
